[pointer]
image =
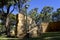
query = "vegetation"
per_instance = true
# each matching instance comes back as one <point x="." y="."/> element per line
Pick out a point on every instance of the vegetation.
<point x="8" y="4"/>
<point x="8" y="19"/>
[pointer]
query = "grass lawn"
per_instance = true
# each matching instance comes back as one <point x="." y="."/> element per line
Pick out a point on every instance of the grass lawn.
<point x="51" y="36"/>
<point x="44" y="36"/>
<point x="48" y="36"/>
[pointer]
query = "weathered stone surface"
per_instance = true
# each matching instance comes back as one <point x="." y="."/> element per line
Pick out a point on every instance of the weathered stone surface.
<point x="34" y="32"/>
<point x="33" y="29"/>
<point x="51" y="27"/>
<point x="20" y="25"/>
<point x="44" y="26"/>
<point x="12" y="32"/>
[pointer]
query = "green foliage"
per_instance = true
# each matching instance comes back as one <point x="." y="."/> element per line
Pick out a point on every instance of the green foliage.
<point x="12" y="19"/>
<point x="45" y="11"/>
<point x="6" y="2"/>
<point x="58" y="10"/>
<point x="12" y="16"/>
<point x="56" y="15"/>
<point x="33" y="13"/>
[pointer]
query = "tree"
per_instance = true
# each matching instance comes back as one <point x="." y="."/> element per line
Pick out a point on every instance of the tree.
<point x="33" y="13"/>
<point x="12" y="22"/>
<point x="58" y="11"/>
<point x="8" y="4"/>
<point x="46" y="10"/>
<point x="12" y="19"/>
<point x="56" y="15"/>
<point x="20" y="3"/>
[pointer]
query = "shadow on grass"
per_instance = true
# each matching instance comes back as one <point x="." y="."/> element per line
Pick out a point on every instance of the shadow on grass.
<point x="44" y="36"/>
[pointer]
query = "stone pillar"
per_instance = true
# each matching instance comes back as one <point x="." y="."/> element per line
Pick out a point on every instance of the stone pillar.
<point x="21" y="28"/>
<point x="44" y="27"/>
<point x="34" y="32"/>
<point x="20" y="25"/>
<point x="33" y="29"/>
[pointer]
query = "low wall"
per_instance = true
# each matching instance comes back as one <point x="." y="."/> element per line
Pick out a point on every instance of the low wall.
<point x="44" y="26"/>
<point x="20" y="28"/>
<point x="51" y="27"/>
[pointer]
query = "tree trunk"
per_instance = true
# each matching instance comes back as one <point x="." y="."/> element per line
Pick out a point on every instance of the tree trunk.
<point x="7" y="25"/>
<point x="7" y="21"/>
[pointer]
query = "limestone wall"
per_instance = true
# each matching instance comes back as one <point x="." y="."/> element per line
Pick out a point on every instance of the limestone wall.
<point x="21" y="28"/>
<point x="44" y="26"/>
<point x="20" y="25"/>
<point x="51" y="27"/>
<point x="34" y="32"/>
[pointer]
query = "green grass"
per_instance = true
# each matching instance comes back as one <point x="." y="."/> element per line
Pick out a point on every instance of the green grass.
<point x="44" y="36"/>
<point x="51" y="36"/>
<point x="48" y="36"/>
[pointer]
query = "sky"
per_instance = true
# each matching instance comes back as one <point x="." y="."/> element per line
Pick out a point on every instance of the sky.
<point x="41" y="3"/>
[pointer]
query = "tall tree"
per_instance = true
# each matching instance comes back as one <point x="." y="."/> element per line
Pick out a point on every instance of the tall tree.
<point x="7" y="4"/>
<point x="46" y="10"/>
<point x="33" y="13"/>
<point x="56" y="15"/>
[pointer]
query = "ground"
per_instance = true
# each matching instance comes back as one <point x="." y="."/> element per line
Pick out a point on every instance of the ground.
<point x="44" y="36"/>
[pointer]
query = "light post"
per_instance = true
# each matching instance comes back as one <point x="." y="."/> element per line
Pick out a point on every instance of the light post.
<point x="26" y="7"/>
<point x="27" y="34"/>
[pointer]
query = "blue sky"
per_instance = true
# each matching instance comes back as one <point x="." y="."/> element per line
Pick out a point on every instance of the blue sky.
<point x="41" y="3"/>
